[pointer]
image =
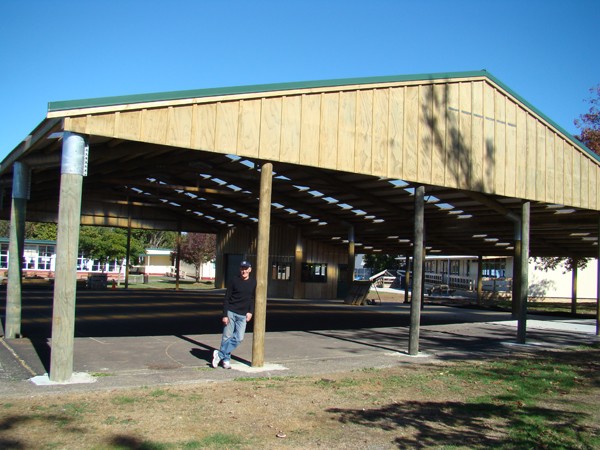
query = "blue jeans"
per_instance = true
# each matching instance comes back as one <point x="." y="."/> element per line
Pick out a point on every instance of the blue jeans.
<point x="233" y="334"/>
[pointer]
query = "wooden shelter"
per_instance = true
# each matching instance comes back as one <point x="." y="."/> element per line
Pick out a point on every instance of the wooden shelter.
<point x="295" y="170"/>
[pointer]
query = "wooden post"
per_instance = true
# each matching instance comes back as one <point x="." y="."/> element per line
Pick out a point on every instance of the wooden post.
<point x="128" y="250"/>
<point x="417" y="290"/>
<point x="516" y="286"/>
<point x="20" y="195"/>
<point x="178" y="258"/>
<point x="407" y="280"/>
<point x="73" y="168"/>
<point x="574" y="286"/>
<point x="524" y="279"/>
<point x="351" y="256"/>
<point x="480" y="279"/>
<point x="262" y="265"/>
<point x="298" y="257"/>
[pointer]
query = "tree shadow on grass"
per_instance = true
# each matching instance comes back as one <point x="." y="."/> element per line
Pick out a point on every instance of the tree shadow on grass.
<point x="478" y="425"/>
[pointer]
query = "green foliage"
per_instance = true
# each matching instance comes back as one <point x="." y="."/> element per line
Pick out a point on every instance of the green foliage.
<point x="548" y="263"/>
<point x="41" y="231"/>
<point x="155" y="239"/>
<point x="107" y="244"/>
<point x="383" y="262"/>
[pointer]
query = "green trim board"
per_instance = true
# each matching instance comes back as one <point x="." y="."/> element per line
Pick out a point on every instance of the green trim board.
<point x="249" y="89"/>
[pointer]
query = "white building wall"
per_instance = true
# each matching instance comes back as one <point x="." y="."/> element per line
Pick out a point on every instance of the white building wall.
<point x="558" y="284"/>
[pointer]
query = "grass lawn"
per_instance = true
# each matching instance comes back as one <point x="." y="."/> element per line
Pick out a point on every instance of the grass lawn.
<point x="543" y="400"/>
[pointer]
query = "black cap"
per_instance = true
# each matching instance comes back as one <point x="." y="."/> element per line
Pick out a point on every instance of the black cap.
<point x="245" y="264"/>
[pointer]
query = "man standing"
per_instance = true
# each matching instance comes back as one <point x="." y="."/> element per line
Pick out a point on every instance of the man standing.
<point x="238" y="308"/>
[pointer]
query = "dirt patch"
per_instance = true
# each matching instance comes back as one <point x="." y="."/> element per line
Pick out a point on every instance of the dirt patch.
<point x="407" y="406"/>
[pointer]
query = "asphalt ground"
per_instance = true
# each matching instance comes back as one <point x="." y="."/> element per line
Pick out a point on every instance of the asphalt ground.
<point x="132" y="338"/>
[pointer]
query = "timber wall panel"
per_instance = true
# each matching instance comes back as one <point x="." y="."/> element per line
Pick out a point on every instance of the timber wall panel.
<point x="464" y="130"/>
<point x="425" y="142"/>
<point x="154" y="126"/>
<point x="585" y="182"/>
<point x="329" y="130"/>
<point x="438" y="153"/>
<point x="227" y="127"/>
<point x="500" y="142"/>
<point x="467" y="134"/>
<point x="411" y="134"/>
<point x="270" y="129"/>
<point x="381" y="118"/>
<point x="477" y="144"/>
<point x="309" y="132"/>
<point x="559" y="171"/>
<point x="512" y="156"/>
<point x="550" y="161"/>
<point x="364" y="132"/>
<point x="179" y="132"/>
<point x="576" y="179"/>
<point x="489" y="166"/>
<point x="568" y="175"/>
<point x="540" y="179"/>
<point x="531" y="156"/>
<point x="249" y="127"/>
<point x="205" y="124"/>
<point x="452" y="136"/>
<point x="347" y="132"/>
<point x="291" y="125"/>
<point x="128" y="124"/>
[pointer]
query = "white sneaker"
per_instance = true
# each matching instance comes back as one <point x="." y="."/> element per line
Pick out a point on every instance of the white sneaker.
<point x="216" y="359"/>
<point x="226" y="365"/>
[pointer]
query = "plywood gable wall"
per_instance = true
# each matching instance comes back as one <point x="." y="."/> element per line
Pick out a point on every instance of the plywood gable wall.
<point x="460" y="134"/>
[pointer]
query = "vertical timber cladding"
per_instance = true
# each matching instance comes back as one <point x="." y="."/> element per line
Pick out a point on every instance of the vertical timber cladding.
<point x="282" y="244"/>
<point x="466" y="133"/>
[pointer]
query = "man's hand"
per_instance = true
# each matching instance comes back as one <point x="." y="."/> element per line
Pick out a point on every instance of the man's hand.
<point x="225" y="320"/>
<point x="248" y="317"/>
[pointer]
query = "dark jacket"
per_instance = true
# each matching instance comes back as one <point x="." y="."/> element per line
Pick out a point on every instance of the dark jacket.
<point x="239" y="297"/>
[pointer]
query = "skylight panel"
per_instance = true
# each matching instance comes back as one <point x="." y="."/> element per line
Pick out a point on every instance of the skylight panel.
<point x="315" y="193"/>
<point x="398" y="183"/>
<point x="330" y="200"/>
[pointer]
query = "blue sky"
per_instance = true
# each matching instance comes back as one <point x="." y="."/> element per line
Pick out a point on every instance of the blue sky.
<point x="53" y="50"/>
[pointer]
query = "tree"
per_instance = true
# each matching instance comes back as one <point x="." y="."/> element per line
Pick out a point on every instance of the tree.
<point x="198" y="249"/>
<point x="548" y="263"/>
<point x="107" y="244"/>
<point x="380" y="263"/>
<point x="156" y="239"/>
<point x="589" y="123"/>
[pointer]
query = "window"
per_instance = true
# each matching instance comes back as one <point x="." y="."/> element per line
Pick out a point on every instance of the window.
<point x="3" y="256"/>
<point x="45" y="253"/>
<point x="314" y="272"/>
<point x="281" y="271"/>
<point x="30" y="254"/>
<point x="494" y="268"/>
<point x="455" y="267"/>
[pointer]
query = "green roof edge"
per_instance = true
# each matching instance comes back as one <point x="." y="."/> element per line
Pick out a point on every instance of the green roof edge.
<point x="211" y="92"/>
